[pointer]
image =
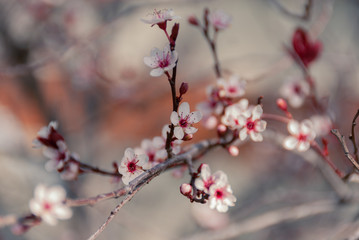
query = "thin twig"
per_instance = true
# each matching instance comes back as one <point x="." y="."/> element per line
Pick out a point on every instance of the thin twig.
<point x="352" y="136"/>
<point x="304" y="16"/>
<point x="345" y="147"/>
<point x="268" y="219"/>
<point x="112" y="215"/>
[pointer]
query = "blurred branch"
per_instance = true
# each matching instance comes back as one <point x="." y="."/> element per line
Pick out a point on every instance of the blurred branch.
<point x="341" y="139"/>
<point x="304" y="16"/>
<point x="352" y="136"/>
<point x="269" y="219"/>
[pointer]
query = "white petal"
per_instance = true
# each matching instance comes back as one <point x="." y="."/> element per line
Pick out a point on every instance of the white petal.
<point x="129" y="154"/>
<point x="35" y="207"/>
<point x="195" y="117"/>
<point x="156" y="72"/>
<point x="306" y="127"/>
<point x="256" y="137"/>
<point x="303" y="146"/>
<point x="49" y="219"/>
<point x="56" y="194"/>
<point x="243" y="134"/>
<point x="205" y="171"/>
<point x="178" y="132"/>
<point x="293" y="127"/>
<point x="158" y="142"/>
<point x="190" y="130"/>
<point x="260" y="126"/>
<point x="62" y="212"/>
<point x="243" y="103"/>
<point x="150" y="61"/>
<point x="174" y="118"/>
<point x="40" y="192"/>
<point x="257" y="112"/>
<point x="183" y="109"/>
<point x="290" y="142"/>
<point x="199" y="184"/>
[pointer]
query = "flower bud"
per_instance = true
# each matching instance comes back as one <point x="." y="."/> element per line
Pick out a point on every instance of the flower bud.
<point x="193" y="20"/>
<point x="187" y="137"/>
<point x="183" y="88"/>
<point x="282" y="104"/>
<point x="186" y="189"/>
<point x="233" y="150"/>
<point x="174" y="32"/>
<point x="221" y="129"/>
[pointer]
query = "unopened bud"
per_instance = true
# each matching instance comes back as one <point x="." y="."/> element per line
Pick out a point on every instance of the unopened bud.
<point x="187" y="137"/>
<point x="221" y="129"/>
<point x="183" y="88"/>
<point x="233" y="150"/>
<point x="282" y="104"/>
<point x="193" y="20"/>
<point x="200" y="167"/>
<point x="174" y="32"/>
<point x="186" y="189"/>
<point x="205" y="18"/>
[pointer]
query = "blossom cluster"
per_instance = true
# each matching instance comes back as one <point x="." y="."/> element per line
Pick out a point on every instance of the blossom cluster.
<point x="55" y="149"/>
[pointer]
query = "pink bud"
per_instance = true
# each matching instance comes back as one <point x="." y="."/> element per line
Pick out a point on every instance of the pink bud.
<point x="221" y="129"/>
<point x="233" y="150"/>
<point x="174" y="32"/>
<point x="187" y="137"/>
<point x="193" y="20"/>
<point x="183" y="88"/>
<point x="186" y="189"/>
<point x="282" y="104"/>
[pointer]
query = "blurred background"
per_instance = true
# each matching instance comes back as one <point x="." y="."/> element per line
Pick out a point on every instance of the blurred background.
<point x="81" y="63"/>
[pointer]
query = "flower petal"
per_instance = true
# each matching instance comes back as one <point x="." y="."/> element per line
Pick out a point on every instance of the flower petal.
<point x="174" y="119"/>
<point x="178" y="132"/>
<point x="183" y="109"/>
<point x="195" y="117"/>
<point x="290" y="142"/>
<point x="156" y="72"/>
<point x="293" y="127"/>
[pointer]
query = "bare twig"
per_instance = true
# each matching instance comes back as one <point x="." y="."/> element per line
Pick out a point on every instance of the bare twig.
<point x="345" y="147"/>
<point x="352" y="136"/>
<point x="269" y="219"/>
<point x="112" y="215"/>
<point x="304" y="16"/>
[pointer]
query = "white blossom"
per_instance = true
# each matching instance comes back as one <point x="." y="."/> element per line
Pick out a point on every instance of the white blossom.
<point x="295" y="91"/>
<point x="132" y="165"/>
<point x="48" y="204"/>
<point x="252" y="124"/>
<point x="160" y="16"/>
<point x="183" y="120"/>
<point x="161" y="60"/>
<point x="219" y="19"/>
<point x="231" y="88"/>
<point x="233" y="113"/>
<point x="302" y="134"/>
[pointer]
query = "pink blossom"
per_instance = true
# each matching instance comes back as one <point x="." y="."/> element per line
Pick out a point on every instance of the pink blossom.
<point x="219" y="19"/>
<point x="322" y="124"/>
<point x="186" y="189"/>
<point x="233" y="113"/>
<point x="252" y="124"/>
<point x="221" y="196"/>
<point x="183" y="120"/>
<point x="161" y="60"/>
<point x="302" y="134"/>
<point x="206" y="180"/>
<point x="132" y="165"/>
<point x="295" y="91"/>
<point x="231" y="88"/>
<point x="58" y="157"/>
<point x="216" y="185"/>
<point x="160" y="17"/>
<point x="48" y="204"/>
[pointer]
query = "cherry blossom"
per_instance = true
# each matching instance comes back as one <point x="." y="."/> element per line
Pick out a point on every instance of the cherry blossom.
<point x="216" y="185"/>
<point x="322" y="124"/>
<point x="219" y="19"/>
<point x="295" y="91"/>
<point x="161" y="60"/>
<point x="48" y="204"/>
<point x="132" y="165"/>
<point x="206" y="180"/>
<point x="231" y="88"/>
<point x="58" y="157"/>
<point x="48" y="136"/>
<point x="302" y="134"/>
<point x="233" y="113"/>
<point x="221" y="196"/>
<point x="252" y="124"/>
<point x="160" y="17"/>
<point x="307" y="50"/>
<point x="186" y="189"/>
<point x="183" y="120"/>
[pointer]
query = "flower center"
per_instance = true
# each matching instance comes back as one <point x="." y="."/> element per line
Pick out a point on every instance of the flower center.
<point x="297" y="89"/>
<point x="232" y="89"/>
<point x="183" y="123"/>
<point x="302" y="137"/>
<point x="47" y="206"/>
<point x="151" y="157"/>
<point x="219" y="194"/>
<point x="250" y="125"/>
<point x="131" y="166"/>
